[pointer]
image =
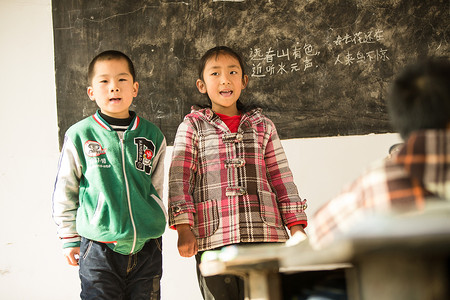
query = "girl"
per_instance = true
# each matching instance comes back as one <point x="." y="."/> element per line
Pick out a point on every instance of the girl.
<point x="229" y="180"/>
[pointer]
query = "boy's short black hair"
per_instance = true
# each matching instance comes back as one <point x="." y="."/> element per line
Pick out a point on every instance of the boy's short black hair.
<point x="420" y="97"/>
<point x="107" y="55"/>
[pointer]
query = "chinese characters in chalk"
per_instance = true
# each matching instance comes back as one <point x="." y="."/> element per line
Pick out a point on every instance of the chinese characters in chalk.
<point x="302" y="58"/>
<point x="360" y="56"/>
<point x="282" y="61"/>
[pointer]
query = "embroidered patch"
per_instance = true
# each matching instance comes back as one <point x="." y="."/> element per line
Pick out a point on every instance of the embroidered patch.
<point x="93" y="149"/>
<point x="145" y="152"/>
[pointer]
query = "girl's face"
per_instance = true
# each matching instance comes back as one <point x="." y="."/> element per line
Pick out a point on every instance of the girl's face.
<point x="223" y="82"/>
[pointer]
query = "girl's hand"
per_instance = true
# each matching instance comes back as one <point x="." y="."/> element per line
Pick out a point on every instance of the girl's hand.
<point x="72" y="255"/>
<point x="297" y="228"/>
<point x="298" y="235"/>
<point x="187" y="243"/>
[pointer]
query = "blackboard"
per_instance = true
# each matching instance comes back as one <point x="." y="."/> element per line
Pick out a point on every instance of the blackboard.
<point x="317" y="68"/>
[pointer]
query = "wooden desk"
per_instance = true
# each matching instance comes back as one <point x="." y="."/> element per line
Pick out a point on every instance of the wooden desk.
<point x="386" y="258"/>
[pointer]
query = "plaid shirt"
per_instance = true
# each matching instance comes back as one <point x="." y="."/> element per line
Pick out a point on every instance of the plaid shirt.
<point x="419" y="172"/>
<point x="232" y="187"/>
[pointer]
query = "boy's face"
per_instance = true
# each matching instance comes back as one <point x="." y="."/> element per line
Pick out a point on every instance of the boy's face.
<point x="112" y="87"/>
<point x="223" y="82"/>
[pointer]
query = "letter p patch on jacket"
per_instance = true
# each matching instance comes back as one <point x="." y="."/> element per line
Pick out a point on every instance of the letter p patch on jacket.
<point x="145" y="152"/>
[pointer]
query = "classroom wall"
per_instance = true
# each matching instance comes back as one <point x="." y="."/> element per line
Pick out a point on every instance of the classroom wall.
<point x="31" y="264"/>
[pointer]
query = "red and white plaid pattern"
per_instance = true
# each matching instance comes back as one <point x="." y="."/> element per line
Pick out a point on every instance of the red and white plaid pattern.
<point x="232" y="187"/>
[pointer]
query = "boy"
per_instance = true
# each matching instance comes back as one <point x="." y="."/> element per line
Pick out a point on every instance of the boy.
<point x="419" y="108"/>
<point x="107" y="201"/>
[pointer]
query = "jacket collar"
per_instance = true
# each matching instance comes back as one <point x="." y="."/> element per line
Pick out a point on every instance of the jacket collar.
<point x="207" y="114"/>
<point x="105" y="125"/>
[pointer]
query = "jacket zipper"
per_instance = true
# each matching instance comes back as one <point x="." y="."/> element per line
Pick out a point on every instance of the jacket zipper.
<point x="128" y="196"/>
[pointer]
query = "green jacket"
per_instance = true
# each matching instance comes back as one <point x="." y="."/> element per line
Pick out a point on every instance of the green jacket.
<point x="109" y="189"/>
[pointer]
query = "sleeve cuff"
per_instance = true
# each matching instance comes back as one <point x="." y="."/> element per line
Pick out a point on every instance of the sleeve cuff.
<point x="71" y="245"/>
<point x="303" y="223"/>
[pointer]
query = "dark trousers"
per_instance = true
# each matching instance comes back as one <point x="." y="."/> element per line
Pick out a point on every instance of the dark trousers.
<point x="219" y="287"/>
<point x="109" y="275"/>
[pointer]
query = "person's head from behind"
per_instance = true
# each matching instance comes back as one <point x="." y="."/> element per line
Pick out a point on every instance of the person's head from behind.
<point x="222" y="78"/>
<point x="420" y="97"/>
<point x="112" y="83"/>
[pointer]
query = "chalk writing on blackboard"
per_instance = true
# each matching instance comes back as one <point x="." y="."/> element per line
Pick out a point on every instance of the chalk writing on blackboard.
<point x="360" y="56"/>
<point x="369" y="37"/>
<point x="301" y="58"/>
<point x="281" y="61"/>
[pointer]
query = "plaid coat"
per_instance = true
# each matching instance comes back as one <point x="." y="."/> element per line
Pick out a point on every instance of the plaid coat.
<point x="232" y="187"/>
<point x="420" y="172"/>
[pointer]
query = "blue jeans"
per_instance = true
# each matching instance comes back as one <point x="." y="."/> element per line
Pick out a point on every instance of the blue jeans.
<point x="108" y="275"/>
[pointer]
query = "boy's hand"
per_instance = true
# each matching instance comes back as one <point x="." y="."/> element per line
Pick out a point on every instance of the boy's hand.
<point x="187" y="243"/>
<point x="72" y="255"/>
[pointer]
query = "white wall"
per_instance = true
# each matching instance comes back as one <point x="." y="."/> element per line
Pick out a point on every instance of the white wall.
<point x="31" y="264"/>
